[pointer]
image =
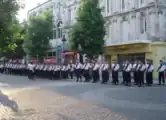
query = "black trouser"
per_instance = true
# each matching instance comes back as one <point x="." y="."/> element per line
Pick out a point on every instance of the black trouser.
<point x="161" y="78"/>
<point x="63" y="74"/>
<point x="128" y="78"/>
<point x="136" y="77"/>
<point x="86" y="75"/>
<point x="78" y="75"/>
<point x="57" y="74"/>
<point x="105" y="76"/>
<point x="95" y="75"/>
<point x="124" y="75"/>
<point x="66" y="74"/>
<point x="140" y="78"/>
<point x="31" y="74"/>
<point x="1" y="70"/>
<point x="71" y="74"/>
<point x="149" y="78"/>
<point x="115" y="77"/>
<point x="50" y="75"/>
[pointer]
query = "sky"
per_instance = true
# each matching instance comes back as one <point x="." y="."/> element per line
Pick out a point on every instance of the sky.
<point x="29" y="4"/>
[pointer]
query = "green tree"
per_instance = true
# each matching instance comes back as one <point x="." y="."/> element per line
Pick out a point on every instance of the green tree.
<point x="89" y="30"/>
<point x="39" y="32"/>
<point x="12" y="47"/>
<point x="8" y="22"/>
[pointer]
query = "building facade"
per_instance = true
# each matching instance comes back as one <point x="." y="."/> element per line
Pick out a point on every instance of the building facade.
<point x="40" y="8"/>
<point x="136" y="29"/>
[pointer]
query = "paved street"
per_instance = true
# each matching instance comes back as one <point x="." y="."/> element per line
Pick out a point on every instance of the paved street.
<point x="68" y="100"/>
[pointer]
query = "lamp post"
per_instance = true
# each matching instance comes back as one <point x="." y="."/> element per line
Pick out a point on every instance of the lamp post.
<point x="80" y="51"/>
<point x="63" y="46"/>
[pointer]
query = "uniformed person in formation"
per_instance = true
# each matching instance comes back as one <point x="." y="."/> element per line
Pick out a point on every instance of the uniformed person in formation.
<point x="149" y="72"/>
<point x="128" y="70"/>
<point x="56" y="72"/>
<point x="86" y="70"/>
<point x="1" y="68"/>
<point x="31" y="70"/>
<point x="123" y="72"/>
<point x="71" y="70"/>
<point x="63" y="67"/>
<point x="135" y="72"/>
<point x="66" y="71"/>
<point x="105" y="72"/>
<point x="115" y="70"/>
<point x="78" y="68"/>
<point x="161" y="69"/>
<point x="41" y="69"/>
<point x="141" y="71"/>
<point x="95" y="71"/>
<point x="50" y="71"/>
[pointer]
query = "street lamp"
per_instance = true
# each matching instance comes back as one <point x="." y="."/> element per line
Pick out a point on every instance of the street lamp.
<point x="63" y="45"/>
<point x="80" y="51"/>
<point x="63" y="42"/>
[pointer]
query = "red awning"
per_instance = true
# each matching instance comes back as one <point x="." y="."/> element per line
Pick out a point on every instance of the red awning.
<point x="68" y="53"/>
<point x="50" y="60"/>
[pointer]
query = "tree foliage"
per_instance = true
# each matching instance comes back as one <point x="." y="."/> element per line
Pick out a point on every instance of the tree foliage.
<point x="39" y="32"/>
<point x="12" y="47"/>
<point x="9" y="25"/>
<point x="89" y="30"/>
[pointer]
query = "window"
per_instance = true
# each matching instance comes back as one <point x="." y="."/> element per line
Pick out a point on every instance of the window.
<point x="54" y="33"/>
<point x="145" y="25"/>
<point x="69" y="13"/>
<point x="142" y="23"/>
<point x="141" y="1"/>
<point x="123" y="4"/>
<point x="108" y="6"/>
<point x="53" y="53"/>
<point x="49" y="54"/>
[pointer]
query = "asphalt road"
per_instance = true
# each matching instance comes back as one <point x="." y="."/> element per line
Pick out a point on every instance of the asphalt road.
<point x="68" y="100"/>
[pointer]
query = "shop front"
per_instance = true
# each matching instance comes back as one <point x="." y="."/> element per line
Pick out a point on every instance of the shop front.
<point x="129" y="52"/>
<point x="154" y="51"/>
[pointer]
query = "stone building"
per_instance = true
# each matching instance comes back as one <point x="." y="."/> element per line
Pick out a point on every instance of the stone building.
<point x="136" y="29"/>
<point x="40" y="8"/>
